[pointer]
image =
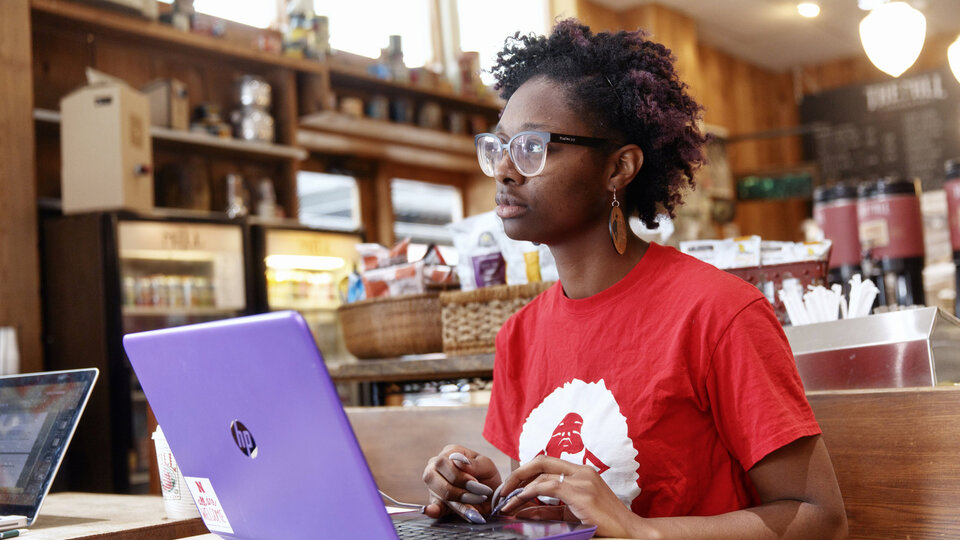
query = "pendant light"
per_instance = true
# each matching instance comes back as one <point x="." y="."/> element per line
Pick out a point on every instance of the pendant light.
<point x="953" y="55"/>
<point x="892" y="36"/>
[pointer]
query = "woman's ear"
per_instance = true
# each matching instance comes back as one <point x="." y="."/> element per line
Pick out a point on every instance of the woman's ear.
<point x="626" y="163"/>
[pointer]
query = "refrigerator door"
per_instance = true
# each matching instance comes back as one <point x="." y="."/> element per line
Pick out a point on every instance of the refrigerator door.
<point x="172" y="274"/>
<point x="306" y="271"/>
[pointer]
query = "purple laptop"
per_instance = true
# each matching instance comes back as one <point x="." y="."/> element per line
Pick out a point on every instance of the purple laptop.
<point x="265" y="446"/>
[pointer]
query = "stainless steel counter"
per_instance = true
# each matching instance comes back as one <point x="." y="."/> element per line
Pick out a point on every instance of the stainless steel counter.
<point x="913" y="348"/>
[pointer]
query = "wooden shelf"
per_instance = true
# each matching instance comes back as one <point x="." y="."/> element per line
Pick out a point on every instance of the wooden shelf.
<point x="202" y="139"/>
<point x="392" y="132"/>
<point x="335" y="143"/>
<point x="67" y="13"/>
<point x="166" y="311"/>
<point x="348" y="75"/>
<point x="421" y="367"/>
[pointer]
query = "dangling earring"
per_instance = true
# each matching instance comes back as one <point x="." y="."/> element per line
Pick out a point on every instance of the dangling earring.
<point x="618" y="226"/>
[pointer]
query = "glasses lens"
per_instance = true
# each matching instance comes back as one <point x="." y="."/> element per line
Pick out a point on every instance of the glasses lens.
<point x="529" y="151"/>
<point x="488" y="151"/>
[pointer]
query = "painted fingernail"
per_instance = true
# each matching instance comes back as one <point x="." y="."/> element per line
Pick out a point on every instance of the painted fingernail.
<point x="474" y="516"/>
<point x="496" y="495"/>
<point x="472" y="498"/>
<point x="476" y="487"/>
<point x="505" y="500"/>
<point x="459" y="459"/>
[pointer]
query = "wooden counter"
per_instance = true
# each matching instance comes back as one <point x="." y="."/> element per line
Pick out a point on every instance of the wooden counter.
<point x="100" y="516"/>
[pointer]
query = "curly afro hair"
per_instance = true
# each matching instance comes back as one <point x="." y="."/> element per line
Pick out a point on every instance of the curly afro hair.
<point x="630" y="85"/>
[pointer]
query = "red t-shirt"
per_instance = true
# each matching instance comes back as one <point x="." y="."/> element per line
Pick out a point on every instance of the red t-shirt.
<point x="672" y="383"/>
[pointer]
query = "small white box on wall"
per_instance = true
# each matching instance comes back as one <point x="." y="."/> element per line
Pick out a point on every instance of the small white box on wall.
<point x="106" y="151"/>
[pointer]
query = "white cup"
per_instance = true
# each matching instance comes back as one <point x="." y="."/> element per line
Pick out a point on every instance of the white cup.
<point x="176" y="496"/>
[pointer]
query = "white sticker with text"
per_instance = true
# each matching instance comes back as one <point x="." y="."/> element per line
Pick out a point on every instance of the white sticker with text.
<point x="209" y="505"/>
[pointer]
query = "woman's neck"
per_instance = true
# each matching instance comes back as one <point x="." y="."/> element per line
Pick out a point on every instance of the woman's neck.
<point x="585" y="272"/>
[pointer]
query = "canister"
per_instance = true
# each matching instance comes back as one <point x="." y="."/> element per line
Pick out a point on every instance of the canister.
<point x="891" y="235"/>
<point x="835" y="211"/>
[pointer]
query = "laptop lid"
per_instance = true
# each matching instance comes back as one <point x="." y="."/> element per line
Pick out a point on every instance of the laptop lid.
<point x="257" y="429"/>
<point x="39" y="413"/>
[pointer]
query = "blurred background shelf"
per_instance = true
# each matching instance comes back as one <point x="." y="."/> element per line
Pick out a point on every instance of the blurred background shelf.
<point x="71" y="15"/>
<point x="163" y="311"/>
<point x="417" y="367"/>
<point x="162" y="134"/>
<point x="345" y="75"/>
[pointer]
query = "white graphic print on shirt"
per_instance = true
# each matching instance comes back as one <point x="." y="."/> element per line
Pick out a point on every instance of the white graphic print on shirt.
<point x="581" y="423"/>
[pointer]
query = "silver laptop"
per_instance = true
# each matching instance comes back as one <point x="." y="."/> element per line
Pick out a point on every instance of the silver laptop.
<point x="38" y="414"/>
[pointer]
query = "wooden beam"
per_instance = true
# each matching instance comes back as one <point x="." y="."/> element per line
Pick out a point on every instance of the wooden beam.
<point x="19" y="247"/>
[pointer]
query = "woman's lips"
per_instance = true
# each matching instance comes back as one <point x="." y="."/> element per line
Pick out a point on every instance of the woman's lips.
<point x="509" y="207"/>
<point x="507" y="211"/>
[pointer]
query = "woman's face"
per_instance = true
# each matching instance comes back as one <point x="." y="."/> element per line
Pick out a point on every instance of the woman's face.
<point x="569" y="197"/>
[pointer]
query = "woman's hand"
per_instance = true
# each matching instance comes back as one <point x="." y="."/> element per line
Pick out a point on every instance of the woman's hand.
<point x="460" y="474"/>
<point x="586" y="496"/>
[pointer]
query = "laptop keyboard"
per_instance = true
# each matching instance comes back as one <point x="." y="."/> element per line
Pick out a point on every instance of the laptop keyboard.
<point x="413" y="530"/>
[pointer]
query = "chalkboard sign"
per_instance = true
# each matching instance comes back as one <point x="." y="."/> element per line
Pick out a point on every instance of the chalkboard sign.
<point x="903" y="127"/>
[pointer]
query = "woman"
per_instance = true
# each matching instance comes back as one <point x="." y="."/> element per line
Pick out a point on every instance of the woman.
<point x="652" y="394"/>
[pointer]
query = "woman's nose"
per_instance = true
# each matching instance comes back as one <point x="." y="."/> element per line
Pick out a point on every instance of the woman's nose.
<point x="505" y="171"/>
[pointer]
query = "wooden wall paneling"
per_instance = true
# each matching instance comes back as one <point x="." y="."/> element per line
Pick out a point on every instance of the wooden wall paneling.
<point x="60" y="58"/>
<point x="676" y="31"/>
<point x="369" y="216"/>
<point x="122" y="59"/>
<point x="716" y="92"/>
<point x="773" y="219"/>
<point x="383" y="202"/>
<point x="598" y="18"/>
<point x="284" y="82"/>
<point x="48" y="159"/>
<point x="19" y="245"/>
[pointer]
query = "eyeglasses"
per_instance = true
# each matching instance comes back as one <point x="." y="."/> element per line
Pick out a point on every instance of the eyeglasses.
<point x="527" y="149"/>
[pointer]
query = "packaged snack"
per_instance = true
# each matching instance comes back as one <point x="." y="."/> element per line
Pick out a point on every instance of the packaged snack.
<point x="772" y="252"/>
<point x="394" y="280"/>
<point x="481" y="262"/>
<point x="715" y="252"/>
<point x="746" y="252"/>
<point x="523" y="261"/>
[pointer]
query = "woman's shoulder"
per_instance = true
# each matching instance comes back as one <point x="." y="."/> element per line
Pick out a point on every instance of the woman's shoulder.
<point x="690" y="280"/>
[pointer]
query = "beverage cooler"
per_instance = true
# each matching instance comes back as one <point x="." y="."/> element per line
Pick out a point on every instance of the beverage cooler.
<point x="113" y="273"/>
<point x="304" y="269"/>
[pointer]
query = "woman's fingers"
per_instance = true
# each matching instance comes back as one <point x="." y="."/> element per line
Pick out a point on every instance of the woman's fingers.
<point x="459" y="474"/>
<point x="544" y="485"/>
<point x="533" y="469"/>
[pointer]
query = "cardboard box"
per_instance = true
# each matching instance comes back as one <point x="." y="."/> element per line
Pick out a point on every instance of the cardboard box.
<point x="169" y="103"/>
<point x="106" y="150"/>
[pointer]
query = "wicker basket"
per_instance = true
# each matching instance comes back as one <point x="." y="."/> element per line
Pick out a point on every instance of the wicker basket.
<point x="472" y="319"/>
<point x="389" y="327"/>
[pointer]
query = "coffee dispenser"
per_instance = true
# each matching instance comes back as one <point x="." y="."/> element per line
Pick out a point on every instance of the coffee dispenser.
<point x="952" y="187"/>
<point x="835" y="210"/>
<point x="891" y="236"/>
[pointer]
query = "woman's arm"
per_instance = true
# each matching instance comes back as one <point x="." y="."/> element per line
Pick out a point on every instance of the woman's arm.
<point x="796" y="484"/>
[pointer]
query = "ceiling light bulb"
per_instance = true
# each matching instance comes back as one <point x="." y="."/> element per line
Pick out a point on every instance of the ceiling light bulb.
<point x="953" y="56"/>
<point x="892" y="36"/>
<point x="808" y="9"/>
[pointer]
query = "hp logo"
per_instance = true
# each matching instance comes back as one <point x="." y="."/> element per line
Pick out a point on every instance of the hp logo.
<point x="243" y="438"/>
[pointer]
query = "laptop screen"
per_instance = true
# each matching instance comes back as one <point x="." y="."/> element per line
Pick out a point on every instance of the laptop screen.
<point x="38" y="414"/>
